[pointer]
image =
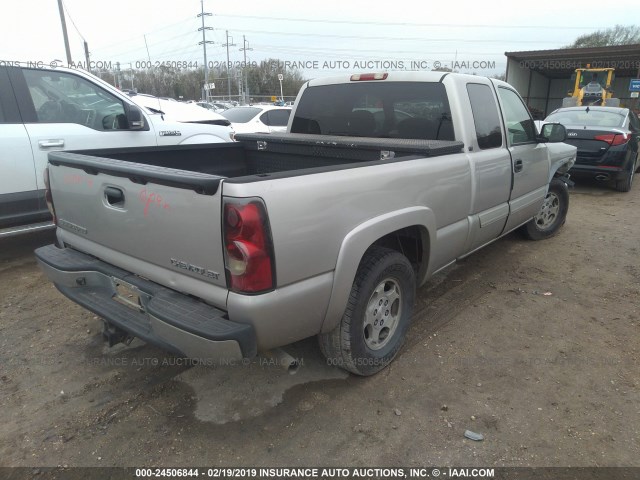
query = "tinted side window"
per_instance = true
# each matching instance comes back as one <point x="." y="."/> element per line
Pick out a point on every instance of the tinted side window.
<point x="485" y="116"/>
<point x="8" y="107"/>
<point x="633" y="120"/>
<point x="279" y="118"/>
<point x="60" y="97"/>
<point x="520" y="126"/>
<point x="264" y="118"/>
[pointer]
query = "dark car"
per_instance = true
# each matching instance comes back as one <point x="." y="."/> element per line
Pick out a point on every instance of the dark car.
<point x="607" y="141"/>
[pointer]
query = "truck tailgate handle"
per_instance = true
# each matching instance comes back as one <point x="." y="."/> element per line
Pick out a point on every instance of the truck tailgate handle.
<point x="114" y="196"/>
<point x="518" y="166"/>
<point x="50" y="143"/>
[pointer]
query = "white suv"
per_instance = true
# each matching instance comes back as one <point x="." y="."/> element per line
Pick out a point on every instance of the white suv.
<point x="42" y="110"/>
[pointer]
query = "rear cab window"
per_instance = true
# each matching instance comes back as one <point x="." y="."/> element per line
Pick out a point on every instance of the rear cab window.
<point x="412" y="110"/>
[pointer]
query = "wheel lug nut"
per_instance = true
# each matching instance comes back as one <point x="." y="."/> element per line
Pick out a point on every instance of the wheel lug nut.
<point x="386" y="302"/>
<point x="386" y="313"/>
<point x="375" y="312"/>
<point x="376" y="323"/>
<point x="380" y="302"/>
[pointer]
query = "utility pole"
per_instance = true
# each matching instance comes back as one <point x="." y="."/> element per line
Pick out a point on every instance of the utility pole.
<point x="229" y="44"/>
<point x="118" y="81"/>
<point x="132" y="75"/>
<point x="637" y="100"/>
<point x="246" y="75"/>
<point x="64" y="32"/>
<point x="204" y="42"/>
<point x="86" y="55"/>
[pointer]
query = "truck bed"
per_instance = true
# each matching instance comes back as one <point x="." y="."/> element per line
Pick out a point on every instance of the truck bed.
<point x="252" y="158"/>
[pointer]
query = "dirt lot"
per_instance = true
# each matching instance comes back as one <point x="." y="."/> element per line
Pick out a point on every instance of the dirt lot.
<point x="549" y="380"/>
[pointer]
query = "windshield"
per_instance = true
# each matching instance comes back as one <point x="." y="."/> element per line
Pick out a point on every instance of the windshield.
<point x="593" y="78"/>
<point x="588" y="117"/>
<point x="412" y="110"/>
<point x="240" y="114"/>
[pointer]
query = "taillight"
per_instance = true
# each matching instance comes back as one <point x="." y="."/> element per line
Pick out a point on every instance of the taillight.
<point x="613" y="139"/>
<point x="47" y="195"/>
<point x="356" y="77"/>
<point x="248" y="246"/>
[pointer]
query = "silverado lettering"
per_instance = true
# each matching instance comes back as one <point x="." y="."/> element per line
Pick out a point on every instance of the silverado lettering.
<point x="194" y="268"/>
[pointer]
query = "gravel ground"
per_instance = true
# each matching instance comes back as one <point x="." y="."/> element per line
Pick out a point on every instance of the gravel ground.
<point x="535" y="345"/>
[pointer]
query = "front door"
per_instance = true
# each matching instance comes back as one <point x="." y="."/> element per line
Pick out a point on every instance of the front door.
<point x="529" y="160"/>
<point x="20" y="201"/>
<point x="65" y="111"/>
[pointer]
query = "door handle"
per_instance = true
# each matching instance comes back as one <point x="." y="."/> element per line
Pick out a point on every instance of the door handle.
<point x="51" y="143"/>
<point x="114" y="196"/>
<point x="518" y="166"/>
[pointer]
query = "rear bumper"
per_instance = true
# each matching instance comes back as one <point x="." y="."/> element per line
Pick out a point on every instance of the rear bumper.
<point x="612" y="173"/>
<point x="166" y="318"/>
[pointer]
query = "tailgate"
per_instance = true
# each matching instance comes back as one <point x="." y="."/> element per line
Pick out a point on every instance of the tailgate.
<point x="162" y="223"/>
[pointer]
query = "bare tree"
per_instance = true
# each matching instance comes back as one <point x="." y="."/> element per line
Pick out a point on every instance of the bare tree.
<point x="618" y="35"/>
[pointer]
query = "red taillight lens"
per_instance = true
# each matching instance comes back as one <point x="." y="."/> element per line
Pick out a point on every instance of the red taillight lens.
<point x="47" y="195"/>
<point x="248" y="246"/>
<point x="613" y="139"/>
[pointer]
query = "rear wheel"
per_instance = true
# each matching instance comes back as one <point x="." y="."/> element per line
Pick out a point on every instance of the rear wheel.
<point x="375" y="322"/>
<point x="552" y="214"/>
<point x="624" y="185"/>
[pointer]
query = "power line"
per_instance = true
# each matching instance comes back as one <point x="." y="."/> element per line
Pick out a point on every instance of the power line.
<point x="408" y="39"/>
<point x="188" y="39"/>
<point x="405" y="24"/>
<point x="137" y="37"/>
<point x="72" y="22"/>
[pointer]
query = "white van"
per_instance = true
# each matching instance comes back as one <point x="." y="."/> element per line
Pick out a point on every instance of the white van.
<point x="42" y="110"/>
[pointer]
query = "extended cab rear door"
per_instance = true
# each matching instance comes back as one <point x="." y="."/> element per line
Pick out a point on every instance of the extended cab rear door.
<point x="529" y="159"/>
<point x="63" y="110"/>
<point x="19" y="198"/>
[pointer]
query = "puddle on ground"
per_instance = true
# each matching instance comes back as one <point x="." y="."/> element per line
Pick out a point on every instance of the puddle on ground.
<point x="231" y="393"/>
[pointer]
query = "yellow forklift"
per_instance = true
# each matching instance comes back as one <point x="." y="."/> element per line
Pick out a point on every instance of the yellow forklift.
<point x="592" y="86"/>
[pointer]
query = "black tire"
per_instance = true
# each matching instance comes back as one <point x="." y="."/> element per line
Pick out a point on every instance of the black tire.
<point x="547" y="224"/>
<point x="625" y="184"/>
<point x="349" y="345"/>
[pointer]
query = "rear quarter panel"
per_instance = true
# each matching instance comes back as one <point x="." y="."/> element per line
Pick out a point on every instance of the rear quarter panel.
<point x="311" y="215"/>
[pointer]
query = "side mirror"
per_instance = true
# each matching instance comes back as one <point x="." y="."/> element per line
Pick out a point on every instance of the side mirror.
<point x="553" y="133"/>
<point x="135" y="119"/>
